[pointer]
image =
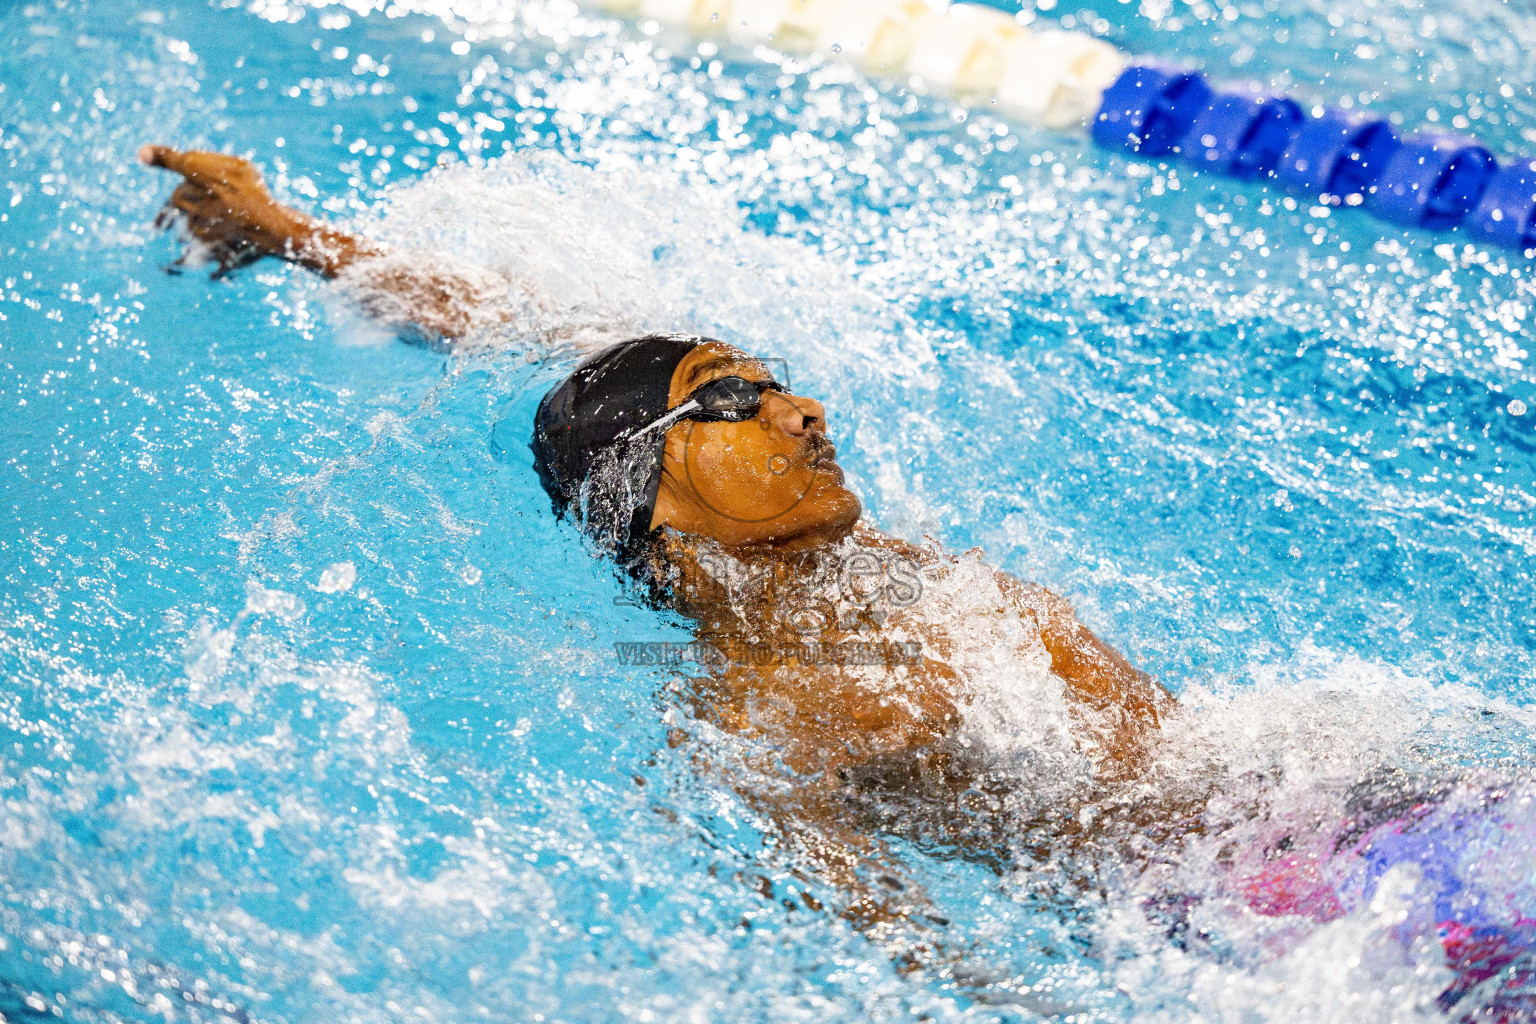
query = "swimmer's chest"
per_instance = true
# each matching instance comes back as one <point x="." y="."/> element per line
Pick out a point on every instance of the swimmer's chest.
<point x="898" y="683"/>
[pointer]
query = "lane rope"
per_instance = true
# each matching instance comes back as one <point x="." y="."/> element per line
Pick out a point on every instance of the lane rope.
<point x="1065" y="80"/>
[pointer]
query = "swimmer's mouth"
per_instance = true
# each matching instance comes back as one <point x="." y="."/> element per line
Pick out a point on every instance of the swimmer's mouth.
<point x="824" y="457"/>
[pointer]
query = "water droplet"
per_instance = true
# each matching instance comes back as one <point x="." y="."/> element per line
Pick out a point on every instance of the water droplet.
<point x="337" y="578"/>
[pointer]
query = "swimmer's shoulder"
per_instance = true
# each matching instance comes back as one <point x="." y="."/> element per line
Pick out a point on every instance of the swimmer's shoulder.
<point x="929" y="555"/>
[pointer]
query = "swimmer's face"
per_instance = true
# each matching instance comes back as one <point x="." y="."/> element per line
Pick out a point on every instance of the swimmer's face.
<point x="773" y="479"/>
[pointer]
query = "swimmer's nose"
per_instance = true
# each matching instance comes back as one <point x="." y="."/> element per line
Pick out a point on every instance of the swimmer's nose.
<point x="796" y="415"/>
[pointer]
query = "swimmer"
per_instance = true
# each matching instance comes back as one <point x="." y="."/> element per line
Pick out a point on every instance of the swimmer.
<point x="718" y="490"/>
<point x="840" y="651"/>
<point x="680" y="453"/>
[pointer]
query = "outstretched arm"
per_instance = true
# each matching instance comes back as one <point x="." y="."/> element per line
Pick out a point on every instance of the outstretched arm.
<point x="229" y="211"/>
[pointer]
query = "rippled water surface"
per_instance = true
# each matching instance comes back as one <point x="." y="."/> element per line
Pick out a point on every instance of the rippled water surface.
<point x="312" y="711"/>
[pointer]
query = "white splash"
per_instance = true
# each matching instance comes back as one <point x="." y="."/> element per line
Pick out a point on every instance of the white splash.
<point x="337" y="578"/>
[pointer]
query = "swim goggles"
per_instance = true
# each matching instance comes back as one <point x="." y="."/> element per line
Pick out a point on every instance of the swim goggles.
<point x="731" y="399"/>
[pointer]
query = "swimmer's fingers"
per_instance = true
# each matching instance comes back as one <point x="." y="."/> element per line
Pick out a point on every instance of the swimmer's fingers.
<point x="191" y="164"/>
<point x="195" y="201"/>
<point x="189" y="209"/>
<point x="161" y="156"/>
<point x="227" y="251"/>
<point x="168" y="217"/>
<point x="233" y="254"/>
<point x="212" y="236"/>
<point x="204" y="168"/>
<point x="226" y="256"/>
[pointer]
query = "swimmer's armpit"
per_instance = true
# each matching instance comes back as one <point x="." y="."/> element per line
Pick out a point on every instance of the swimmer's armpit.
<point x="227" y="209"/>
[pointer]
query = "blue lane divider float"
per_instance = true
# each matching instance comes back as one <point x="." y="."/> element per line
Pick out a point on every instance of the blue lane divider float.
<point x="1057" y="78"/>
<point x="1507" y="212"/>
<point x="1429" y="180"/>
<point x="1150" y="108"/>
<point x="1337" y="156"/>
<point x="1242" y="133"/>
<point x="1432" y="181"/>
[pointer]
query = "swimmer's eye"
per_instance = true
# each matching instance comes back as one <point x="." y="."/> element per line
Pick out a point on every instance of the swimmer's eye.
<point x="730" y="399"/>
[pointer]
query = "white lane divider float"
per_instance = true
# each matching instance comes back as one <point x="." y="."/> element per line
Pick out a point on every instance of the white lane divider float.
<point x="965" y="51"/>
<point x="977" y="54"/>
<point x="1057" y="79"/>
<point x="875" y="34"/>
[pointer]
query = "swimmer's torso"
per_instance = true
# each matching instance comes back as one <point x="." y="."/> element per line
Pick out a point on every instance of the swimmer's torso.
<point x="871" y="656"/>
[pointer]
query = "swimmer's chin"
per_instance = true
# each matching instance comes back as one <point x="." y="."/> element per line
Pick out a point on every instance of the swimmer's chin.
<point x="838" y="511"/>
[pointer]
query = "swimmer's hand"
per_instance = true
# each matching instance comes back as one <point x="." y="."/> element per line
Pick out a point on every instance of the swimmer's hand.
<point x="226" y="207"/>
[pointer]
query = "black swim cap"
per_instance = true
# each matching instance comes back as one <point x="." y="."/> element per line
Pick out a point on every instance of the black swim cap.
<point x="609" y="488"/>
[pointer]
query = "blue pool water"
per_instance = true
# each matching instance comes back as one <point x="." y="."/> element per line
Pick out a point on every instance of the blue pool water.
<point x="312" y="711"/>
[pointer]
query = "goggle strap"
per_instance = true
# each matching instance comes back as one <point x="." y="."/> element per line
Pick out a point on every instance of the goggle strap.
<point x="690" y="406"/>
